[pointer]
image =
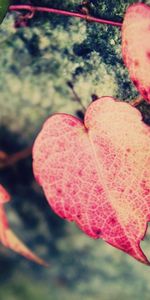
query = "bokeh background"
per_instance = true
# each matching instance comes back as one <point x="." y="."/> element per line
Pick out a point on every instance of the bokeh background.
<point x="60" y="64"/>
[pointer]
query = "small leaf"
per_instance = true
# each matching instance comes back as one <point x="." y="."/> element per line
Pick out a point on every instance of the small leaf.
<point x="8" y="238"/>
<point x="136" y="46"/>
<point x="96" y="173"/>
<point x="4" y="195"/>
<point x="4" y="4"/>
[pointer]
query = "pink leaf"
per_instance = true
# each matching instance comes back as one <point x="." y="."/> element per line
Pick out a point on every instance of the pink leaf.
<point x="7" y="237"/>
<point x="97" y="173"/>
<point x="4" y="195"/>
<point x="136" y="46"/>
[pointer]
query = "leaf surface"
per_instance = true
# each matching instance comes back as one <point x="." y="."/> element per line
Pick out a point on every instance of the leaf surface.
<point x="136" y="46"/>
<point x="7" y="237"/>
<point x="97" y="173"/>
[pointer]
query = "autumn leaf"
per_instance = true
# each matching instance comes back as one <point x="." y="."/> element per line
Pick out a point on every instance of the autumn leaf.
<point x="4" y="195"/>
<point x="97" y="173"/>
<point x="136" y="46"/>
<point x="7" y="237"/>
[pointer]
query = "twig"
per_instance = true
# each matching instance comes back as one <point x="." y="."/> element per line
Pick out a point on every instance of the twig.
<point x="34" y="9"/>
<point x="10" y="160"/>
<point x="135" y="102"/>
<point x="76" y="97"/>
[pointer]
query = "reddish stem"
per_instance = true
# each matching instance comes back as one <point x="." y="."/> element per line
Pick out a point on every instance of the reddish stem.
<point x="62" y="12"/>
<point x="12" y="159"/>
<point x="135" y="102"/>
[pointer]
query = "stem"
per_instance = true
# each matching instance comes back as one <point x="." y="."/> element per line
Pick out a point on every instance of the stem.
<point x="12" y="159"/>
<point x="62" y="12"/>
<point x="135" y="102"/>
<point x="76" y="97"/>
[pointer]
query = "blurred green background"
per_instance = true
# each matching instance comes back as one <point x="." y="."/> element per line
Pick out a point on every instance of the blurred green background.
<point x="36" y="63"/>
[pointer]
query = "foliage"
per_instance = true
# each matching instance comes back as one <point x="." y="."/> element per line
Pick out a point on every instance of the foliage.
<point x="36" y="63"/>
<point x="7" y="237"/>
<point x="136" y="54"/>
<point x="89" y="178"/>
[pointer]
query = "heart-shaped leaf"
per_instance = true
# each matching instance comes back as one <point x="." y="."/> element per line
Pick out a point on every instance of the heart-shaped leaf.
<point x="7" y="237"/>
<point x="3" y="9"/>
<point x="136" y="46"/>
<point x="97" y="173"/>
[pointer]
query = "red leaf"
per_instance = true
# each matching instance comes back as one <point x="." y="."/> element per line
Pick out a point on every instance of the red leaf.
<point x="136" y="46"/>
<point x="97" y="173"/>
<point x="7" y="237"/>
<point x="4" y="196"/>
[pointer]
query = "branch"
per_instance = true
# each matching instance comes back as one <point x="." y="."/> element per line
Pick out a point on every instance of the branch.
<point x="34" y="9"/>
<point x="10" y="160"/>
